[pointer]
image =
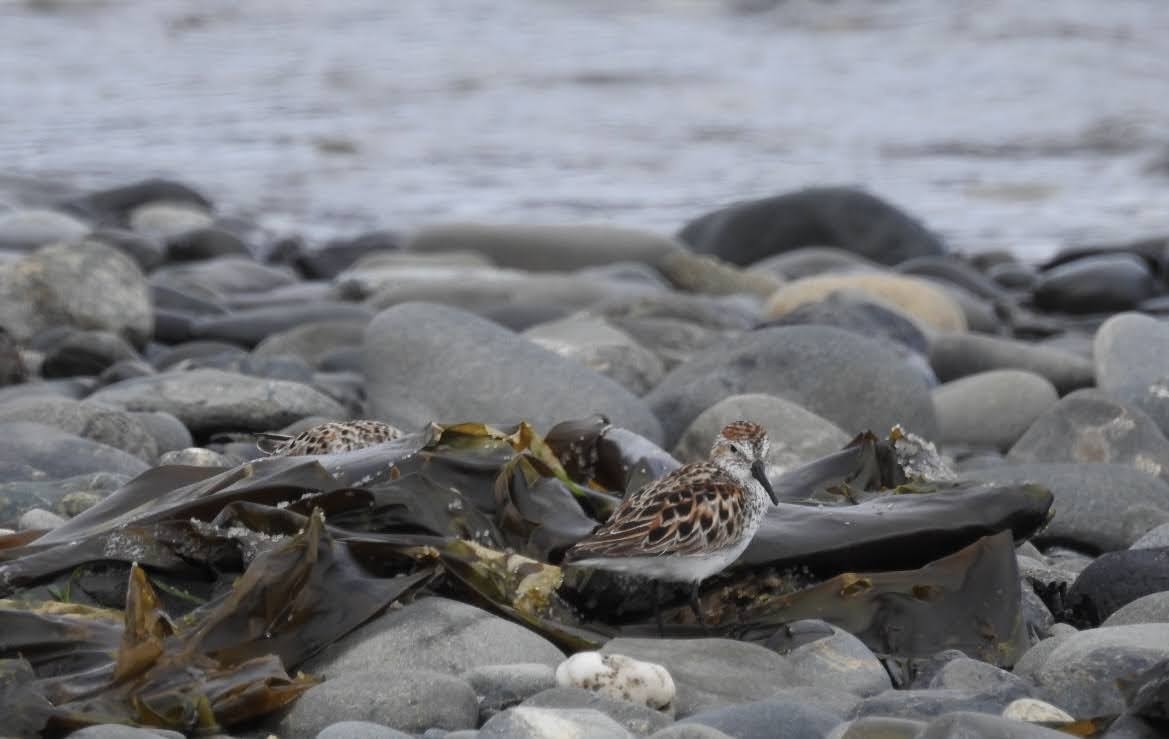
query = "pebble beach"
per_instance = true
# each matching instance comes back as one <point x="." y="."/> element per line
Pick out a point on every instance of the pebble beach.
<point x="968" y="411"/>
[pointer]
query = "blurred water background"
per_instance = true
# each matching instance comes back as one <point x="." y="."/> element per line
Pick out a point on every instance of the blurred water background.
<point x="1002" y="123"/>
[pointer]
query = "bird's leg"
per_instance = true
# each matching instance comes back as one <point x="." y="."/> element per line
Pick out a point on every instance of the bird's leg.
<point x="658" y="607"/>
<point x="696" y="606"/>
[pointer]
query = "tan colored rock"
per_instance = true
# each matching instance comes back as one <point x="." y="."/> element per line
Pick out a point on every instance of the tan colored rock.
<point x="701" y="273"/>
<point x="928" y="305"/>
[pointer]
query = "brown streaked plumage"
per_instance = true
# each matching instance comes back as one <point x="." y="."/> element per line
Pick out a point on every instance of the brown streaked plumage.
<point x="328" y="438"/>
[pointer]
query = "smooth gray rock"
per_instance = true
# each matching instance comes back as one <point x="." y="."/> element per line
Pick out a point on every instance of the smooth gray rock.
<point x="225" y="275"/>
<point x="85" y="353"/>
<point x="797" y="435"/>
<point x="408" y="700"/>
<point x="1080" y="674"/>
<point x="1115" y="579"/>
<point x="168" y="432"/>
<point x="87" y="419"/>
<point x="980" y="677"/>
<point x="852" y="381"/>
<point x="991" y="408"/>
<point x="922" y="704"/>
<point x="838" y="660"/>
<point x="638" y="719"/>
<point x="984" y="726"/>
<point x="1151" y="608"/>
<point x="499" y="687"/>
<point x="545" y="247"/>
<point x="34" y="451"/>
<point x="248" y="327"/>
<point x="809" y="261"/>
<point x="763" y="719"/>
<point x="196" y="457"/>
<point x="434" y="634"/>
<point x="208" y="400"/>
<point x="523" y="722"/>
<point x="1130" y="351"/>
<point x="1102" y="507"/>
<point x="1089" y="426"/>
<point x="600" y="346"/>
<point x="38" y="518"/>
<point x="1154" y="538"/>
<point x="689" y="731"/>
<point x="92" y="286"/>
<point x="117" y="731"/>
<point x="164" y="219"/>
<point x="1129" y="726"/>
<point x="877" y="727"/>
<point x="31" y="228"/>
<point x="709" y="673"/>
<point x="426" y="362"/>
<point x="1029" y="664"/>
<point x="312" y="341"/>
<point x="1102" y="283"/>
<point x="959" y="355"/>
<point x="360" y="730"/>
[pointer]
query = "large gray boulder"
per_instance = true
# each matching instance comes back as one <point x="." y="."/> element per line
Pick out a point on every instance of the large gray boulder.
<point x="426" y="362"/>
<point x="991" y="408"/>
<point x="852" y="381"/>
<point x="111" y="426"/>
<point x="1130" y="351"/>
<point x="34" y="451"/>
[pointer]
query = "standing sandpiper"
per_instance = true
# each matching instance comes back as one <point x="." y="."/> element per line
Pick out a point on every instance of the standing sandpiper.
<point x="690" y="524"/>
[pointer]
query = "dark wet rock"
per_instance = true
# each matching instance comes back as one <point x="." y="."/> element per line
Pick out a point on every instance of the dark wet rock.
<point x="959" y="355"/>
<point x="172" y="326"/>
<point x="1116" y="579"/>
<point x="797" y="435"/>
<point x="1147" y="609"/>
<point x="596" y="344"/>
<point x="208" y="242"/>
<point x="831" y="658"/>
<point x="1133" y="727"/>
<point x="89" y="287"/>
<point x="1130" y="351"/>
<point x="853" y="313"/>
<point x="1080" y="673"/>
<point x="877" y="727"/>
<point x="978" y="677"/>
<point x="340" y="254"/>
<point x="1089" y="426"/>
<point x="1101" y="507"/>
<point x="114" y="205"/>
<point x="710" y="673"/>
<point x="522" y="316"/>
<point x="1154" y="538"/>
<point x="26" y="230"/>
<point x="523" y="722"/>
<point x="12" y="368"/>
<point x="917" y="298"/>
<point x="545" y="247"/>
<point x="434" y="634"/>
<point x="194" y="303"/>
<point x="88" y="420"/>
<point x="124" y="369"/>
<point x="1014" y="275"/>
<point x="850" y="380"/>
<point x="209" y="400"/>
<point x="951" y="271"/>
<point x="845" y="217"/>
<point x="222" y="276"/>
<point x="86" y="353"/>
<point x="345" y="359"/>
<point x="250" y="327"/>
<point x="1037" y="617"/>
<point x="638" y="719"/>
<point x="148" y="253"/>
<point x="117" y="731"/>
<point x="991" y="408"/>
<point x="311" y="341"/>
<point x="34" y="451"/>
<point x="762" y="719"/>
<point x="426" y="362"/>
<point x="166" y="219"/>
<point x="809" y="261"/>
<point x="74" y="387"/>
<point x="1098" y="284"/>
<point x="410" y="701"/>
<point x="360" y="730"/>
<point x="499" y="687"/>
<point x="984" y="726"/>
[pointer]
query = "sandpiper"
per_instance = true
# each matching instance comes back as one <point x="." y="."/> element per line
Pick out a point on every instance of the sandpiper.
<point x="690" y="524"/>
<point x="328" y="438"/>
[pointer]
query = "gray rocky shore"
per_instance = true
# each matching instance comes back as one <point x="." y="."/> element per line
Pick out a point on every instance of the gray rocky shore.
<point x="146" y="338"/>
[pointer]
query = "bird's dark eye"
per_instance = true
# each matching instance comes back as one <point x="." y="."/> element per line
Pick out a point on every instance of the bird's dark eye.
<point x="736" y="449"/>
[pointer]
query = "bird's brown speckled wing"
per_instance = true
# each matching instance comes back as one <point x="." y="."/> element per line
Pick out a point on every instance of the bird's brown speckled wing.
<point x="693" y="510"/>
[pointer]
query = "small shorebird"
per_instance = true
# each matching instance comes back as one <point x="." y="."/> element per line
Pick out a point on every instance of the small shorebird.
<point x="328" y="438"/>
<point x="690" y="524"/>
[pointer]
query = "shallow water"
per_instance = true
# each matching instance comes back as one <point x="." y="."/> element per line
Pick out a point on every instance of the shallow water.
<point x="1003" y="123"/>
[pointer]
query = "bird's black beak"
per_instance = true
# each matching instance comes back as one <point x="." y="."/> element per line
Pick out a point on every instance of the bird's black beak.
<point x="759" y="472"/>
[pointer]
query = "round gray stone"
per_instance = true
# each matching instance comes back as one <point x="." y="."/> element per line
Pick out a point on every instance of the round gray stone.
<point x="168" y="432"/>
<point x="1151" y="608"/>
<point x="425" y="362"/>
<point x="985" y="726"/>
<point x="500" y="687"/>
<point x="87" y="419"/>
<point x="360" y="730"/>
<point x="991" y="408"/>
<point x="32" y="228"/>
<point x="959" y="355"/>
<point x="222" y="276"/>
<point x="34" y="451"/>
<point x="208" y="400"/>
<point x="523" y="722"/>
<point x="1130" y="351"/>
<point x="38" y="518"/>
<point x="838" y="660"/>
<point x="797" y="435"/>
<point x="850" y="380"/>
<point x="798" y="720"/>
<point x="600" y="346"/>
<point x="964" y="673"/>
<point x="408" y="700"/>
<point x="877" y="727"/>
<point x="689" y="731"/>
<point x="1102" y="507"/>
<point x="709" y="673"/>
<point x="1154" y="538"/>
<point x="434" y="634"/>
<point x="1089" y="426"/>
<point x="91" y="286"/>
<point x="312" y="341"/>
<point x="638" y="719"/>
